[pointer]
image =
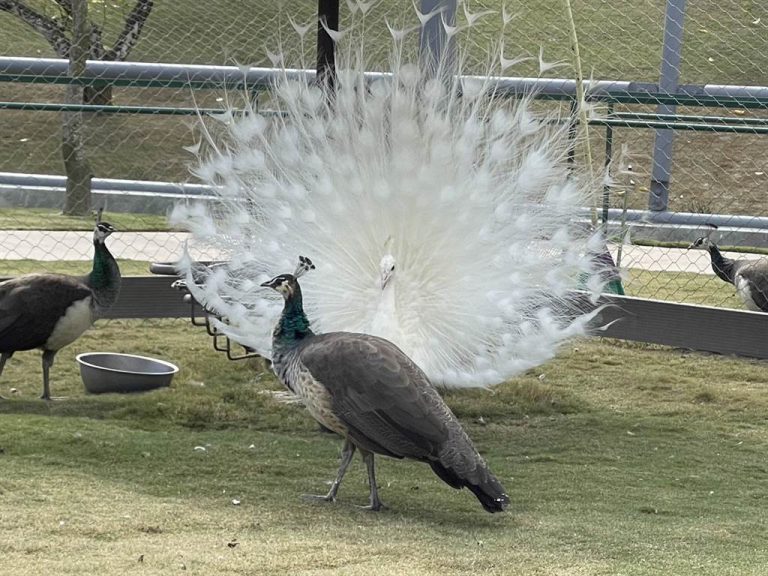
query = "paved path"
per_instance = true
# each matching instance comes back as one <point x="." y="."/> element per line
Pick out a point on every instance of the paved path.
<point x="168" y="247"/>
<point x="61" y="245"/>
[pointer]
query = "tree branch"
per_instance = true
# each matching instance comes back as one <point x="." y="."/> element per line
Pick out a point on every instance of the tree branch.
<point x="66" y="7"/>
<point x="131" y="31"/>
<point x="48" y="28"/>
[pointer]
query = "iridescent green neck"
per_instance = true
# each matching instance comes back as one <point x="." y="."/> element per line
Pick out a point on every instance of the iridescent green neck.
<point x="105" y="270"/>
<point x="293" y="324"/>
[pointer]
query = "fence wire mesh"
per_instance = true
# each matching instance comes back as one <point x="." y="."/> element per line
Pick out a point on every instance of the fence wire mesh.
<point x="712" y="172"/>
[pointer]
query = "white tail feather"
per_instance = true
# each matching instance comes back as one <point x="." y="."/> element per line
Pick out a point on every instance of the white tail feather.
<point x="468" y="194"/>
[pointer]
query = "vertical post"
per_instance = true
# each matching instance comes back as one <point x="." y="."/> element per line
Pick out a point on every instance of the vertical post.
<point x="77" y="199"/>
<point x="434" y="45"/>
<point x="573" y="132"/>
<point x="658" y="198"/>
<point x="608" y="160"/>
<point x="327" y="10"/>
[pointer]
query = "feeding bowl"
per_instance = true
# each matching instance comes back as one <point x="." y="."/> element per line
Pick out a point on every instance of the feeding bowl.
<point x="112" y="372"/>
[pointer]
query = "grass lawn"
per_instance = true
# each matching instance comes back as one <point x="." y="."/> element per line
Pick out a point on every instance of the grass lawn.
<point x="16" y="267"/>
<point x="50" y="219"/>
<point x="619" y="459"/>
<point x="704" y="289"/>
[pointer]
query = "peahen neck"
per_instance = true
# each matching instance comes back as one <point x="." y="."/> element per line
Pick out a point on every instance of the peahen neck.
<point x="721" y="266"/>
<point x="293" y="326"/>
<point x="104" y="278"/>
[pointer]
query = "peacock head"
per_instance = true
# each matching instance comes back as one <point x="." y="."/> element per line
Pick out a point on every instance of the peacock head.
<point x="101" y="231"/>
<point x="386" y="269"/>
<point x="287" y="284"/>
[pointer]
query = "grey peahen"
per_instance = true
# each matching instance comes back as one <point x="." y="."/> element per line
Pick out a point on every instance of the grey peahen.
<point x="367" y="390"/>
<point x="50" y="311"/>
<point x="750" y="277"/>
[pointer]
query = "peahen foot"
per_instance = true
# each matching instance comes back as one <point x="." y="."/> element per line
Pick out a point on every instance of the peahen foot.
<point x="319" y="497"/>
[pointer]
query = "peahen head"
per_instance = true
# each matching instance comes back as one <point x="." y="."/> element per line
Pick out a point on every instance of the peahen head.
<point x="700" y="242"/>
<point x="386" y="269"/>
<point x="706" y="240"/>
<point x="287" y="284"/>
<point x="101" y="231"/>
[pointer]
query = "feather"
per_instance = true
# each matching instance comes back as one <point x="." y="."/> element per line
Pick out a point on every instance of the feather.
<point x="469" y="195"/>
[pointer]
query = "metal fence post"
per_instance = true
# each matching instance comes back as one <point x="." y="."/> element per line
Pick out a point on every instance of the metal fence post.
<point x="434" y="45"/>
<point x="328" y="11"/>
<point x="658" y="198"/>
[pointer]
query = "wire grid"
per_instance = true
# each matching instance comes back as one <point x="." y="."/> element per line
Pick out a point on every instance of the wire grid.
<point x="724" y="42"/>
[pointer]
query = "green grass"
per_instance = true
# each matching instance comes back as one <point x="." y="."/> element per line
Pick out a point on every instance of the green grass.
<point x="611" y="469"/>
<point x="50" y="219"/>
<point x="16" y="267"/>
<point x="685" y="287"/>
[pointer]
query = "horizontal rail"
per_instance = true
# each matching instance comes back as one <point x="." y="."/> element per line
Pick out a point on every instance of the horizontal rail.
<point x="54" y="70"/>
<point x="687" y="218"/>
<point x="106" y="108"/>
<point x="680" y="124"/>
<point x="55" y="181"/>
<point x="719" y="330"/>
<point x="181" y="191"/>
<point x="690" y="118"/>
<point x="704" y="328"/>
<point x="676" y="122"/>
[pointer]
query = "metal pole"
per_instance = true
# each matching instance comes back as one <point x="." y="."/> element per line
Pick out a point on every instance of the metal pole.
<point x="435" y="48"/>
<point x="327" y="10"/>
<point x="658" y="198"/>
<point x="608" y="160"/>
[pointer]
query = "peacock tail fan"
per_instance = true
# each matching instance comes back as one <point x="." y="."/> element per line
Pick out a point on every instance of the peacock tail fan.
<point x="440" y="213"/>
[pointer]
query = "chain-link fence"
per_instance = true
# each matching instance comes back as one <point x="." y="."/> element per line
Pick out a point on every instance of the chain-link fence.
<point x="712" y="172"/>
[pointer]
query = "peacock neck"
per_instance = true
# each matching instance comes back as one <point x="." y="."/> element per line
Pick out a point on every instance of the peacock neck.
<point x="105" y="275"/>
<point x="721" y="265"/>
<point x="385" y="318"/>
<point x="293" y="326"/>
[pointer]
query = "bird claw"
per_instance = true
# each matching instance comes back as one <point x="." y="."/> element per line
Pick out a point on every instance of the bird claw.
<point x="373" y="507"/>
<point x="319" y="497"/>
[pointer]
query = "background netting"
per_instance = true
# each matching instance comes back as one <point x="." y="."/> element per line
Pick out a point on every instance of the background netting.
<point x="724" y="42"/>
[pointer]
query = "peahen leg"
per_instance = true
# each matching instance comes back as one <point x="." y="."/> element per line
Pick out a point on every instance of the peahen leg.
<point x="48" y="356"/>
<point x="347" y="451"/>
<point x="3" y="359"/>
<point x="375" y="504"/>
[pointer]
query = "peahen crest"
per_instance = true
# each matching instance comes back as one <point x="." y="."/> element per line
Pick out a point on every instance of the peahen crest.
<point x="469" y="194"/>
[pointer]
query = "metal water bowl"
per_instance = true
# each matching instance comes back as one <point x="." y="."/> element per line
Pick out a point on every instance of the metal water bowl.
<point x="113" y="372"/>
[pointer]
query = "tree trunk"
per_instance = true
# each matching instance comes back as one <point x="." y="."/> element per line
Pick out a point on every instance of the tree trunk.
<point x="77" y="201"/>
<point x="101" y="95"/>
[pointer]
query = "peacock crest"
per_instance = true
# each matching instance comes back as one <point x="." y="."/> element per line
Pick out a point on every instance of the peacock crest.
<point x="471" y="189"/>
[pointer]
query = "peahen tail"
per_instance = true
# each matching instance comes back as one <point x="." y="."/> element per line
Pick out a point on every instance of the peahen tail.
<point x="460" y="466"/>
<point x="468" y="193"/>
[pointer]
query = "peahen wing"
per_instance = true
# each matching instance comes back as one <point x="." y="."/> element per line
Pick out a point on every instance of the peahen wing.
<point x="383" y="398"/>
<point x="31" y="305"/>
